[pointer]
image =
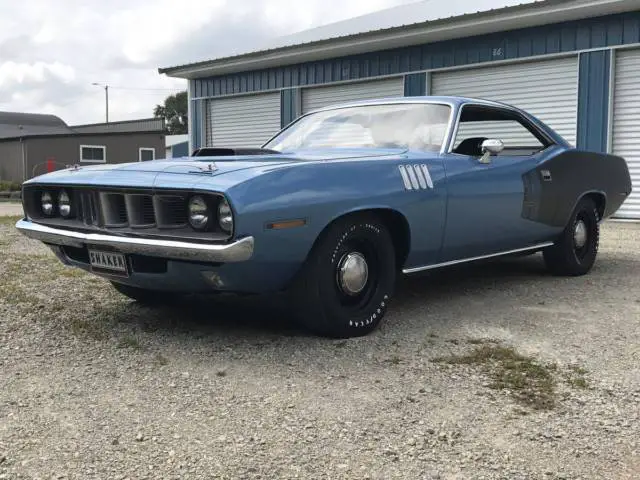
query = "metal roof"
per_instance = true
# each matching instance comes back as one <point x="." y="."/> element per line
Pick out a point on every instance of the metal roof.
<point x="418" y="23"/>
<point x="400" y="16"/>
<point x="21" y="125"/>
<point x="127" y="126"/>
<point x="16" y="125"/>
<point x="422" y="12"/>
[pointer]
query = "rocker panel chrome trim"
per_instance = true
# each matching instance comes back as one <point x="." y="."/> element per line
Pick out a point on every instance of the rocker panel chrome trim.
<point x="471" y="259"/>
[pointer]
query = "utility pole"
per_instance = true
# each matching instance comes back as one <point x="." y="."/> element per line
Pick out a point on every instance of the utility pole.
<point x="106" y="99"/>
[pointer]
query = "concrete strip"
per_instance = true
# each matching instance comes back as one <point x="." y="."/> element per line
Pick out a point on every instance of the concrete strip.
<point x="10" y="209"/>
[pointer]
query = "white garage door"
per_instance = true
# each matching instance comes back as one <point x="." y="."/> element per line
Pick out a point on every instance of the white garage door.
<point x="626" y="124"/>
<point x="244" y="121"/>
<point x="319" y="97"/>
<point x="547" y="89"/>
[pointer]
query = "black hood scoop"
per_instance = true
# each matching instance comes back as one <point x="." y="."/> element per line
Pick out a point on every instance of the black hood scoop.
<point x="232" y="151"/>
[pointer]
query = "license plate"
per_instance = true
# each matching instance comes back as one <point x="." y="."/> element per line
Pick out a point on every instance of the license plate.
<point x="109" y="261"/>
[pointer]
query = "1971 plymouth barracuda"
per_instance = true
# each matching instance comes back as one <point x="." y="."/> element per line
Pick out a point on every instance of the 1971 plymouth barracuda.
<point x="334" y="207"/>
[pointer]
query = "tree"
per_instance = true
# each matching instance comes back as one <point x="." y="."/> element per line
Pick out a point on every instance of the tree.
<point x="174" y="112"/>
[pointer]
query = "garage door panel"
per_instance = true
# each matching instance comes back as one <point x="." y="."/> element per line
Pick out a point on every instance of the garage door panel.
<point x="320" y="97"/>
<point x="547" y="89"/>
<point x="626" y="124"/>
<point x="244" y="121"/>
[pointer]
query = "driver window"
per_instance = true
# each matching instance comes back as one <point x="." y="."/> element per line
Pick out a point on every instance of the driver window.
<point x="479" y="123"/>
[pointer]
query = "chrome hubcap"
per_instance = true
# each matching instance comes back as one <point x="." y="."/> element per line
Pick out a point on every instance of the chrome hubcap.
<point x="353" y="273"/>
<point x="580" y="234"/>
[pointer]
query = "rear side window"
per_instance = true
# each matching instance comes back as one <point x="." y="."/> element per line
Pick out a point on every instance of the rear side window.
<point x="478" y="123"/>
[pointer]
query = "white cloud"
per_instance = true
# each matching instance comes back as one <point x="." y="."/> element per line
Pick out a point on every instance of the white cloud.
<point x="51" y="52"/>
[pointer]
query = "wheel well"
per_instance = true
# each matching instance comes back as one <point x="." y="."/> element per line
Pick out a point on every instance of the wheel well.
<point x="600" y="201"/>
<point x="398" y="228"/>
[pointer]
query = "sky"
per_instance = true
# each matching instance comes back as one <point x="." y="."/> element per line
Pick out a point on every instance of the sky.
<point x="52" y="51"/>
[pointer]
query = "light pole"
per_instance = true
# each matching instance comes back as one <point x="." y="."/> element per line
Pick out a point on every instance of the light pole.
<point x="106" y="98"/>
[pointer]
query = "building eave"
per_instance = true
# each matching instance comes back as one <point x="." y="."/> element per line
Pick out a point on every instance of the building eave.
<point x="510" y="18"/>
<point x="80" y="135"/>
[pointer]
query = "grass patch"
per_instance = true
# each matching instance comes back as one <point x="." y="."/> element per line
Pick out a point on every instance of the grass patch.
<point x="575" y="377"/>
<point x="529" y="382"/>
<point x="8" y="186"/>
<point x="86" y="328"/>
<point x="160" y="359"/>
<point x="11" y="220"/>
<point x="483" y="341"/>
<point x="394" y="360"/>
<point x="129" y="341"/>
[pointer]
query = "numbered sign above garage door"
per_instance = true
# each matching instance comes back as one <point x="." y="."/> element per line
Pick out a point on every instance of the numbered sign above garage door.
<point x="243" y="121"/>
<point x="319" y="97"/>
<point x="547" y="89"/>
<point x="626" y="125"/>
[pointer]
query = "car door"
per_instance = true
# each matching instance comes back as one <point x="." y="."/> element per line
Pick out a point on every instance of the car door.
<point x="486" y="193"/>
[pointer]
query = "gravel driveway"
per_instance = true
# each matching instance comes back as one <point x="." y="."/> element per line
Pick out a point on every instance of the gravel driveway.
<point x="95" y="386"/>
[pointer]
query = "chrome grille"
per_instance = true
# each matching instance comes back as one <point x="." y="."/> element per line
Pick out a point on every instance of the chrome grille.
<point x="134" y="210"/>
<point x="88" y="211"/>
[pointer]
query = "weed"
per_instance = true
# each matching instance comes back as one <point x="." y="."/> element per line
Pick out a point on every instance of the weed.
<point x="9" y="220"/>
<point x="129" y="341"/>
<point x="161" y="360"/>
<point x="86" y="328"/>
<point x="529" y="382"/>
<point x="394" y="360"/>
<point x="482" y="341"/>
<point x="575" y="377"/>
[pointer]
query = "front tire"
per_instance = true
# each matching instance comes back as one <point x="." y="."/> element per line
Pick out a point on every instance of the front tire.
<point x="574" y="253"/>
<point x="345" y="286"/>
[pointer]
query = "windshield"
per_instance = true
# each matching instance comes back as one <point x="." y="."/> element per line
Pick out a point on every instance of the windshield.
<point x="415" y="126"/>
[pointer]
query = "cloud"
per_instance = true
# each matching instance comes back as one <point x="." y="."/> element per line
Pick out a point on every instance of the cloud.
<point x="51" y="52"/>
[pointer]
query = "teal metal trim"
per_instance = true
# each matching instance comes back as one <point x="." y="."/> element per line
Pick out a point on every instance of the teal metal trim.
<point x="196" y="122"/>
<point x="593" y="100"/>
<point x="415" y="84"/>
<point x="289" y="101"/>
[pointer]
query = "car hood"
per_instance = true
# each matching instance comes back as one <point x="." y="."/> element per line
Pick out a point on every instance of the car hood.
<point x="189" y="170"/>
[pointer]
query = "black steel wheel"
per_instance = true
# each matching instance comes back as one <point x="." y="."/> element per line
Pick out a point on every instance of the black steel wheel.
<point x="574" y="253"/>
<point x="346" y="284"/>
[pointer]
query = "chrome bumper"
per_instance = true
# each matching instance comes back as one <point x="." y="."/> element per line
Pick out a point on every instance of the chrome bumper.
<point x="238" y="251"/>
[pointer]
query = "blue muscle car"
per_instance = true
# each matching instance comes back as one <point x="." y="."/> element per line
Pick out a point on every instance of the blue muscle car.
<point x="334" y="207"/>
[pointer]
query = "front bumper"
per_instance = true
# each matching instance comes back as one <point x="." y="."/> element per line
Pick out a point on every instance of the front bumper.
<point x="238" y="251"/>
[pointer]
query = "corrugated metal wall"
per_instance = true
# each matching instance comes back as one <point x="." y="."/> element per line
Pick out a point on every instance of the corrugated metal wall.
<point x="626" y="124"/>
<point x="320" y="97"/>
<point x="243" y="121"/>
<point x="547" y="89"/>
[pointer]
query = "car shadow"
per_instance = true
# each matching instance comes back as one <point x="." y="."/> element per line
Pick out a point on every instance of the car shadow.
<point x="270" y="316"/>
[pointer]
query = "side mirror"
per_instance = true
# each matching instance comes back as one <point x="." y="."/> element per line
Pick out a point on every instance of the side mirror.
<point x="492" y="146"/>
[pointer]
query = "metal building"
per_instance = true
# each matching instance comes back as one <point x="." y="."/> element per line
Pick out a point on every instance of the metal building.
<point x="33" y="144"/>
<point x="574" y="63"/>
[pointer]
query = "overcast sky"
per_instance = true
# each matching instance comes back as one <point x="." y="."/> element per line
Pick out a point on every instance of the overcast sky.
<point x="52" y="51"/>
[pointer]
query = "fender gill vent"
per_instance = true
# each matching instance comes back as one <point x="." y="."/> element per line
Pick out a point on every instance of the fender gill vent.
<point x="416" y="177"/>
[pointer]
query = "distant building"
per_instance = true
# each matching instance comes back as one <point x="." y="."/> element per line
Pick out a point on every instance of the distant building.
<point x="177" y="146"/>
<point x="33" y="144"/>
<point x="573" y="63"/>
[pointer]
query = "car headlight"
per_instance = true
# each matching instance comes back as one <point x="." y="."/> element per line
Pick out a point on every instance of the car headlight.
<point x="46" y="203"/>
<point x="198" y="213"/>
<point x="64" y="204"/>
<point x="225" y="215"/>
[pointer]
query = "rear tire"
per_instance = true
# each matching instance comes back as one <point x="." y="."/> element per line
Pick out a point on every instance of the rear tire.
<point x="345" y="286"/>
<point x="145" y="296"/>
<point x="574" y="253"/>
